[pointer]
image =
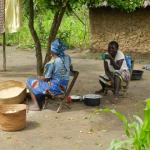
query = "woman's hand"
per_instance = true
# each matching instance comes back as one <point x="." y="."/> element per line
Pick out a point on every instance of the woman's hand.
<point x="41" y="77"/>
<point x="110" y="57"/>
<point x="71" y="67"/>
<point x="112" y="81"/>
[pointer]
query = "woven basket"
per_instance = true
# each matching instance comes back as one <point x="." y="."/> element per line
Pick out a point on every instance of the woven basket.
<point x="13" y="100"/>
<point x="12" y="117"/>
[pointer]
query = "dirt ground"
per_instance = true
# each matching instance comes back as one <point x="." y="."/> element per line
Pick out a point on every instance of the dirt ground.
<point x="79" y="128"/>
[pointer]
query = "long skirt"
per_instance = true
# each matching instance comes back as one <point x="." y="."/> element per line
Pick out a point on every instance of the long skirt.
<point x="124" y="76"/>
<point x="40" y="87"/>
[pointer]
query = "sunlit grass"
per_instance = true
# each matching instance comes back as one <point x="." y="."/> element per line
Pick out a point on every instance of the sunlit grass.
<point x="72" y="31"/>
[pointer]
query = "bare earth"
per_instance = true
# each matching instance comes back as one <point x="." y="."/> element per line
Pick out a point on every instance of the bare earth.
<point x="76" y="129"/>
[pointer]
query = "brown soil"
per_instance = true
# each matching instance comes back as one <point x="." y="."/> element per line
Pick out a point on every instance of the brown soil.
<point x="79" y="128"/>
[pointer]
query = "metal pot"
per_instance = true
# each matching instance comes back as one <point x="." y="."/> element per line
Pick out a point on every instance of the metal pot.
<point x="136" y="74"/>
<point x="75" y="98"/>
<point x="92" y="99"/>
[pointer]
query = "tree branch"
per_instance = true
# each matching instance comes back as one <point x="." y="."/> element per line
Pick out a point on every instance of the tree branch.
<point x="54" y="28"/>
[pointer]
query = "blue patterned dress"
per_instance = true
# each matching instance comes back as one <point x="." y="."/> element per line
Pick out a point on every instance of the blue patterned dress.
<point x="57" y="72"/>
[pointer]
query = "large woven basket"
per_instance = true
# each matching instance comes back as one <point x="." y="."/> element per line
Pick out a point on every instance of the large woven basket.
<point x="12" y="117"/>
<point x="16" y="99"/>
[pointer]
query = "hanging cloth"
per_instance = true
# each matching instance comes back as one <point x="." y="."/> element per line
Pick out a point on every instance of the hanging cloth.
<point x="2" y="16"/>
<point x="12" y="15"/>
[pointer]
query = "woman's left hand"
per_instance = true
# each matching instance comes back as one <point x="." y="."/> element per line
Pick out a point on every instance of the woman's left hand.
<point x="111" y="58"/>
<point x="41" y="77"/>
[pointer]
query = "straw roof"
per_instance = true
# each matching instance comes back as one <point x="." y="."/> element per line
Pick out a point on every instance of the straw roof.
<point x="145" y="4"/>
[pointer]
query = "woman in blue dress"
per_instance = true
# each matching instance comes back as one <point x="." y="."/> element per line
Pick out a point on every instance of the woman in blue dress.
<point x="55" y="77"/>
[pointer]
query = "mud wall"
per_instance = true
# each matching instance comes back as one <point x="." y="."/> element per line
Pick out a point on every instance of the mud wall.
<point x="131" y="30"/>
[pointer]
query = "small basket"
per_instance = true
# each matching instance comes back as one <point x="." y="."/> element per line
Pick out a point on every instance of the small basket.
<point x="12" y="117"/>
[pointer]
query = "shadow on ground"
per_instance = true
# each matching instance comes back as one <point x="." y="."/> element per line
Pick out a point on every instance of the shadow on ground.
<point x="30" y="125"/>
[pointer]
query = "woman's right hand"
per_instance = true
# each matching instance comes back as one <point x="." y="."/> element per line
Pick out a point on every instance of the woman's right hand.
<point x="41" y="77"/>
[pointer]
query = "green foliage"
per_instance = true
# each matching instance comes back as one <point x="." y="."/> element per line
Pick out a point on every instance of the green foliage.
<point x="126" y="5"/>
<point x="44" y="13"/>
<point x="72" y="31"/>
<point x="55" y="5"/>
<point x="137" y="131"/>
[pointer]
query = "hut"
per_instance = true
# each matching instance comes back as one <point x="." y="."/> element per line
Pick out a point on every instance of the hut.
<point x="131" y="30"/>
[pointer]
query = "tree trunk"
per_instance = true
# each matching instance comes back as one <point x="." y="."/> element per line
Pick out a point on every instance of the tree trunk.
<point x="54" y="29"/>
<point x="35" y="38"/>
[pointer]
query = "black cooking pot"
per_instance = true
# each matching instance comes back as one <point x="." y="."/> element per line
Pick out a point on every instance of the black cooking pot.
<point x="92" y="99"/>
<point x="136" y="74"/>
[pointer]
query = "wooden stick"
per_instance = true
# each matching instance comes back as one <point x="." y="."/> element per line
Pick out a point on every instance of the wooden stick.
<point x="4" y="52"/>
<point x="4" y="44"/>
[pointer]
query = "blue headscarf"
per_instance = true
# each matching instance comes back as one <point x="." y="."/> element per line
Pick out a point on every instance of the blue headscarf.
<point x="58" y="47"/>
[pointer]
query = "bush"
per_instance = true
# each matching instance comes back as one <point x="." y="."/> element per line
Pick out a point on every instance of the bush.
<point x="72" y="31"/>
<point x="137" y="131"/>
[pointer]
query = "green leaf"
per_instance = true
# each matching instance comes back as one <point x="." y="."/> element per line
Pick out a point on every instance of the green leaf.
<point x="138" y="131"/>
<point x="121" y="117"/>
<point x="121" y="145"/>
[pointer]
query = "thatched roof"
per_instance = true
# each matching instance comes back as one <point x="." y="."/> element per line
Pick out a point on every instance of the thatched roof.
<point x="145" y="4"/>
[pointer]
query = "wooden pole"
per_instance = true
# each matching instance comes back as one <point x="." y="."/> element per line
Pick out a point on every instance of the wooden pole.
<point x="4" y="52"/>
<point x="4" y="44"/>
